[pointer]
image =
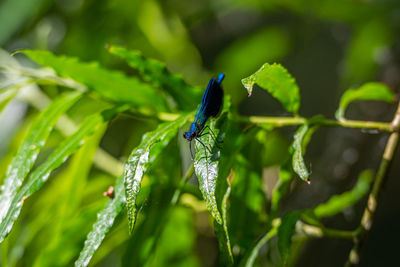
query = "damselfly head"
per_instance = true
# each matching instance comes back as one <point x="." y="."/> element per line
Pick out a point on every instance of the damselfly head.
<point x="189" y="135"/>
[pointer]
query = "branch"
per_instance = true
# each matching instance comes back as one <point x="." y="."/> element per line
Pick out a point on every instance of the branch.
<point x="287" y="121"/>
<point x="380" y="179"/>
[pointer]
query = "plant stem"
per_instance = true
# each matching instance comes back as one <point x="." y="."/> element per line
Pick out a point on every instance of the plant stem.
<point x="321" y="231"/>
<point x="380" y="179"/>
<point x="290" y="121"/>
<point x="287" y="121"/>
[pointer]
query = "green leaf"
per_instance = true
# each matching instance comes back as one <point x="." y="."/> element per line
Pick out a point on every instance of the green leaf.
<point x="206" y="168"/>
<point x="285" y="233"/>
<point x="278" y="82"/>
<point x="301" y="139"/>
<point x="41" y="174"/>
<point x="224" y="183"/>
<point x="369" y="91"/>
<point x="105" y="220"/>
<point x="151" y="146"/>
<point x="112" y="85"/>
<point x="156" y="73"/>
<point x="338" y="203"/>
<point x="30" y="148"/>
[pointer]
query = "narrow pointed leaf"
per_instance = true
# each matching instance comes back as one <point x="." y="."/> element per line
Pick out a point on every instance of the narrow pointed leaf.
<point x="142" y="156"/>
<point x="30" y="148"/>
<point x="156" y="72"/>
<point x="277" y="81"/>
<point x="112" y="85"/>
<point x="369" y="91"/>
<point x="105" y="220"/>
<point x="41" y="174"/>
<point x="338" y="203"/>
<point x="285" y="233"/>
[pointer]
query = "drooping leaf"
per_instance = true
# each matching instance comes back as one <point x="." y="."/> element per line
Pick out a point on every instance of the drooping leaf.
<point x="278" y="82"/>
<point x="338" y="203"/>
<point x="224" y="183"/>
<point x="41" y="174"/>
<point x="285" y="233"/>
<point x="369" y="91"/>
<point x="301" y="139"/>
<point x="105" y="220"/>
<point x="142" y="156"/>
<point x="206" y="162"/>
<point x="156" y="72"/>
<point x="30" y="148"/>
<point x="112" y="85"/>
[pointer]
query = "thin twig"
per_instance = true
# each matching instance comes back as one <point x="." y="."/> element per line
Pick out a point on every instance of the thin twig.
<point x="380" y="179"/>
<point x="288" y="121"/>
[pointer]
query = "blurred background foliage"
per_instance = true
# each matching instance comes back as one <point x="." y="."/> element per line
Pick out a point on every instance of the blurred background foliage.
<point x="327" y="45"/>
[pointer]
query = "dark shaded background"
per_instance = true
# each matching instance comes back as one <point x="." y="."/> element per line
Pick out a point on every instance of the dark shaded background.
<point x="328" y="46"/>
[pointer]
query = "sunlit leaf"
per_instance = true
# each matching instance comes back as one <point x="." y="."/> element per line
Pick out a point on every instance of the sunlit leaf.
<point x="30" y="148"/>
<point x="285" y="233"/>
<point x="224" y="183"/>
<point x="338" y="203"/>
<point x="369" y="91"/>
<point x="105" y="220"/>
<point x="267" y="44"/>
<point x="41" y="174"/>
<point x="206" y="162"/>
<point x="142" y="156"/>
<point x="278" y="82"/>
<point x="156" y="73"/>
<point x="112" y="85"/>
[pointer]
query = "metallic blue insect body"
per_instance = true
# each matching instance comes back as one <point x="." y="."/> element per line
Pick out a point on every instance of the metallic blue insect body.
<point x="210" y="106"/>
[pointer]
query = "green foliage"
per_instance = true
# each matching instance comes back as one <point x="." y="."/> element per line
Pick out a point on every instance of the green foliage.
<point x="141" y="157"/>
<point x="29" y="150"/>
<point x="285" y="233"/>
<point x="105" y="220"/>
<point x="299" y="144"/>
<point x="40" y="176"/>
<point x="278" y="82"/>
<point x="338" y="203"/>
<point x="156" y="73"/>
<point x="112" y="85"/>
<point x="230" y="164"/>
<point x="368" y="91"/>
